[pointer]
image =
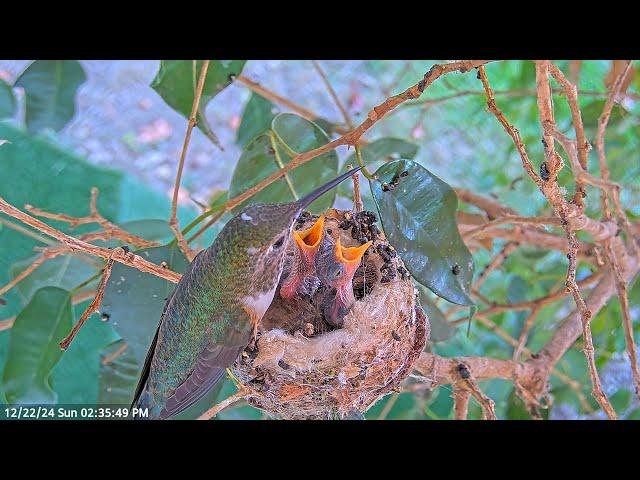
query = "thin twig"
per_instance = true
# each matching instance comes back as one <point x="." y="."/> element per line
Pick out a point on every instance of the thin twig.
<point x="627" y="323"/>
<point x="334" y="96"/>
<point x="26" y="231"/>
<point x="213" y="411"/>
<point x="126" y="258"/>
<point x="461" y="397"/>
<point x="524" y="334"/>
<point x="357" y="198"/>
<point x="93" y="306"/>
<point x="467" y="379"/>
<point x="513" y="133"/>
<point x="274" y="97"/>
<point x="603" y="120"/>
<point x="583" y="146"/>
<point x="110" y="230"/>
<point x="554" y="164"/>
<point x="115" y="354"/>
<point x="173" y="220"/>
<point x="27" y="271"/>
<point x="513" y="220"/>
<point x="496" y="262"/>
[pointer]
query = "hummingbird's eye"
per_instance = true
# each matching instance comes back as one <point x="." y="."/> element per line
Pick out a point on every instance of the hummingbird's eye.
<point x="337" y="273"/>
<point x="278" y="243"/>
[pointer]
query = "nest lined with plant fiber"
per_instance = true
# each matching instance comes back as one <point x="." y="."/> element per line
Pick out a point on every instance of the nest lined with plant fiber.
<point x="300" y="367"/>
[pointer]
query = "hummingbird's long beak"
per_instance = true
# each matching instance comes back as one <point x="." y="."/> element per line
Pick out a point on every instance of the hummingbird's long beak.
<point x="305" y="201"/>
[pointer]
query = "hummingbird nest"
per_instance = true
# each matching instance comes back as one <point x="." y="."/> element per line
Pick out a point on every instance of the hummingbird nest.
<point x="301" y="367"/>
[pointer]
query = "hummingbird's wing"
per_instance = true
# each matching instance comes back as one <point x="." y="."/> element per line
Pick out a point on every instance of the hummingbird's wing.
<point x="147" y="361"/>
<point x="194" y="344"/>
<point x="210" y="367"/>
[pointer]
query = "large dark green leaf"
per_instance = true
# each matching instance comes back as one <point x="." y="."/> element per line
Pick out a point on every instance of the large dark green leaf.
<point x="34" y="346"/>
<point x="259" y="160"/>
<point x="133" y="300"/>
<point x="440" y="328"/>
<point x="419" y="219"/>
<point x="176" y="82"/>
<point x="119" y="377"/>
<point x="256" y="119"/>
<point x="50" y="88"/>
<point x="7" y="100"/>
<point x="75" y="377"/>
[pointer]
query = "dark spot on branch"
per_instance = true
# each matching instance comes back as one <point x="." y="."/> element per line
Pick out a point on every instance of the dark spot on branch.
<point x="463" y="370"/>
<point x="544" y="171"/>
<point x="126" y="248"/>
<point x="421" y="85"/>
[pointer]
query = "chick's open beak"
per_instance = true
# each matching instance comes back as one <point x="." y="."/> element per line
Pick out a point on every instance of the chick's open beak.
<point x="308" y="241"/>
<point x="350" y="256"/>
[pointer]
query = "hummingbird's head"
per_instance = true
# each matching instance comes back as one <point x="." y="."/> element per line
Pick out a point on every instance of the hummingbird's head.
<point x="260" y="232"/>
<point x="336" y="264"/>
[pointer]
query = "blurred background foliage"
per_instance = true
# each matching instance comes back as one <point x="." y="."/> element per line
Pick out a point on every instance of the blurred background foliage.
<point x="110" y="128"/>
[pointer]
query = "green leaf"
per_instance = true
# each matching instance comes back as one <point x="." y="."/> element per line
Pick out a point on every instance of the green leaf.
<point x="118" y="378"/>
<point x="256" y="119"/>
<point x="262" y="156"/>
<point x="50" y="88"/>
<point x="7" y="100"/>
<point x="177" y="80"/>
<point x="65" y="271"/>
<point x="34" y="346"/>
<point x="419" y="219"/>
<point x="441" y="330"/>
<point x="134" y="300"/>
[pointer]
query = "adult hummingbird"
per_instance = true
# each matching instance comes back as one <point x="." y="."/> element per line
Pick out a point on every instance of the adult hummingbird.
<point x="298" y="274"/>
<point x="335" y="267"/>
<point x="209" y="317"/>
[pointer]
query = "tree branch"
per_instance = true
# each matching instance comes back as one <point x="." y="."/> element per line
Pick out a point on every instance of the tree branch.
<point x="173" y="219"/>
<point x="76" y="245"/>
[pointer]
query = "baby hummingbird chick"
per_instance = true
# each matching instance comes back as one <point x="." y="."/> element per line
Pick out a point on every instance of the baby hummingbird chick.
<point x="335" y="266"/>
<point x="298" y="276"/>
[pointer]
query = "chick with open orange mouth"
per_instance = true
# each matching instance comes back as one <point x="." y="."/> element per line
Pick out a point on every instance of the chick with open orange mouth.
<point x="298" y="275"/>
<point x="335" y="267"/>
